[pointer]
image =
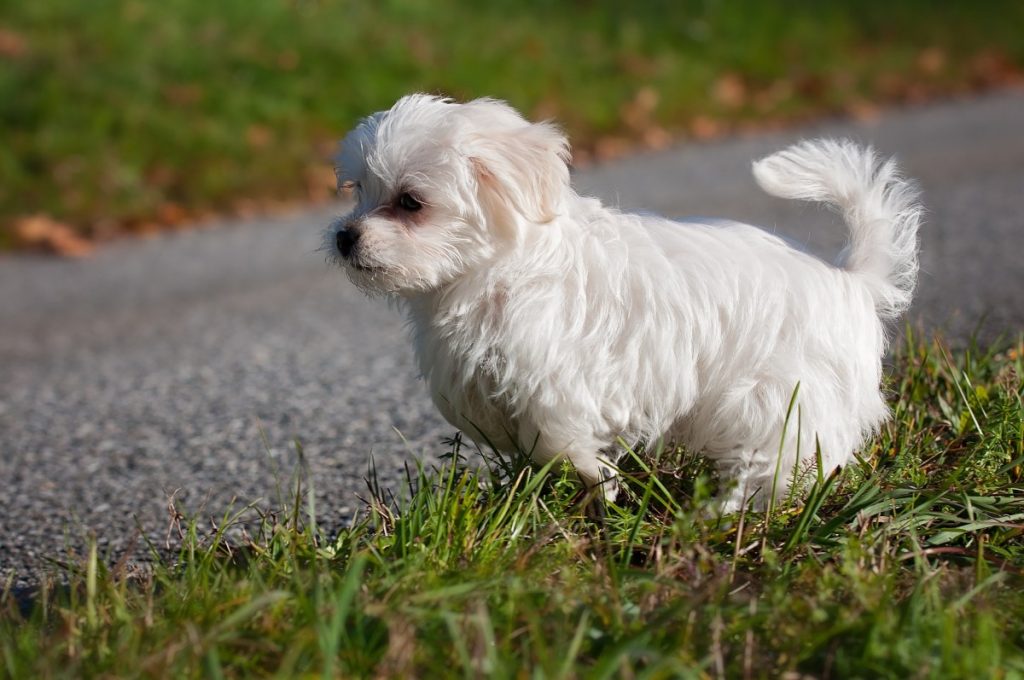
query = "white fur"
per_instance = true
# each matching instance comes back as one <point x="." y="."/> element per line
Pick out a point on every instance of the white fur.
<point x="545" y="321"/>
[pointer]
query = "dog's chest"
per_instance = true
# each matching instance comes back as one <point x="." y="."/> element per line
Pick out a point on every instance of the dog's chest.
<point x="463" y="375"/>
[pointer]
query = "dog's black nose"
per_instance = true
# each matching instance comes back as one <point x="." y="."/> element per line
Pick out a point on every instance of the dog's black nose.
<point x="347" y="241"/>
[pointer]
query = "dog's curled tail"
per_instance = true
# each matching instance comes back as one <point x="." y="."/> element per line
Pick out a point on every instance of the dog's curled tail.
<point x="880" y="207"/>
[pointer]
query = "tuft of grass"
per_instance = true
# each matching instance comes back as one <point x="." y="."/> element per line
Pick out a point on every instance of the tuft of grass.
<point x="125" y="114"/>
<point x="908" y="564"/>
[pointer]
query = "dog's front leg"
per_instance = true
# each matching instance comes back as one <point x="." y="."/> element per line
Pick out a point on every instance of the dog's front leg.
<point x="593" y="461"/>
<point x="597" y="471"/>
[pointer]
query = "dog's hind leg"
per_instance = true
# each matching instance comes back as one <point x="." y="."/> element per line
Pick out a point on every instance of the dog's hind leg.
<point x="743" y="482"/>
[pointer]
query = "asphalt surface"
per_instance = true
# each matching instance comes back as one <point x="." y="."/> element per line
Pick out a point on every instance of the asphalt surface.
<point x="190" y="363"/>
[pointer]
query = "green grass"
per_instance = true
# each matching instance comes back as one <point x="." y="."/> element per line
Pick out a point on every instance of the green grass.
<point x="121" y="113"/>
<point x="909" y="564"/>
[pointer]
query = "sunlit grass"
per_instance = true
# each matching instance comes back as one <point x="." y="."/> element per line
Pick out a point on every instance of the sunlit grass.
<point x="908" y="564"/>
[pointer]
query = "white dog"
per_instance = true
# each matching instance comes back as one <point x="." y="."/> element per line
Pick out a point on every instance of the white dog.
<point x="546" y="322"/>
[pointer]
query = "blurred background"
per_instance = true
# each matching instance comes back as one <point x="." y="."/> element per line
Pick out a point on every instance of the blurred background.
<point x="122" y="116"/>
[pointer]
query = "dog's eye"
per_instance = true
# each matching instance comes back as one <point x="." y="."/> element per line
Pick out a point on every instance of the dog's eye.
<point x="407" y="202"/>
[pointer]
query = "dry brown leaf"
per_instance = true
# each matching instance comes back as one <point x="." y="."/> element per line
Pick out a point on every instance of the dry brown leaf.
<point x="704" y="127"/>
<point x="729" y="91"/>
<point x="891" y="84"/>
<point x="582" y="158"/>
<point x="863" y="110"/>
<point x="258" y="136"/>
<point x="171" y="213"/>
<point x="321" y="183"/>
<point x="636" y="113"/>
<point x="931" y="60"/>
<point x="245" y="207"/>
<point x="810" y="85"/>
<point x="185" y="94"/>
<point x="991" y="67"/>
<point x="657" y="138"/>
<point x="42" y="232"/>
<point x="608" y="148"/>
<point x="12" y="45"/>
<point x="772" y="96"/>
<point x="147" y="228"/>
<point x="288" y="60"/>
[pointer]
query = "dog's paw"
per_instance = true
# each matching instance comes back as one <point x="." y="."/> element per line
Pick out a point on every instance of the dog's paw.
<point x="609" y="484"/>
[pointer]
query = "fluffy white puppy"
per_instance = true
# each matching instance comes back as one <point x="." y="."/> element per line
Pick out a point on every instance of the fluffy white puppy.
<point x="547" y="322"/>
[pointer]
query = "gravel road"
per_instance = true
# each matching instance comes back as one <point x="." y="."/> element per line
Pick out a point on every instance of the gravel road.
<point x="191" y="362"/>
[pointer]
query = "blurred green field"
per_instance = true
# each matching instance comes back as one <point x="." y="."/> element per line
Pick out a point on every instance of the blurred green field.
<point x="122" y="114"/>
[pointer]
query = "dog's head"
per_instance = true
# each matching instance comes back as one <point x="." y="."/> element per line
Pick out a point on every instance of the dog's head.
<point x="442" y="188"/>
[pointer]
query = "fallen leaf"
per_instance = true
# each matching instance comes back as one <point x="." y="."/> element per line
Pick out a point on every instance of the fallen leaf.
<point x="704" y="127"/>
<point x="657" y="138"/>
<point x="636" y="113"/>
<point x="321" y="183"/>
<point x="12" y="45"/>
<point x="810" y="85"/>
<point x="863" y="110"/>
<point x="171" y="213"/>
<point x="608" y="148"/>
<point x="769" y="99"/>
<point x="729" y="91"/>
<point x="991" y="67"/>
<point x="258" y="136"/>
<point x="185" y="94"/>
<point x="288" y="60"/>
<point x="147" y="228"/>
<point x="245" y="207"/>
<point x="931" y="60"/>
<point x="45" y="233"/>
<point x="582" y="158"/>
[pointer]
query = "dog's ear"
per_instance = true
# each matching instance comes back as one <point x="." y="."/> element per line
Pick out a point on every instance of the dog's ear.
<point x="350" y="159"/>
<point x="521" y="168"/>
